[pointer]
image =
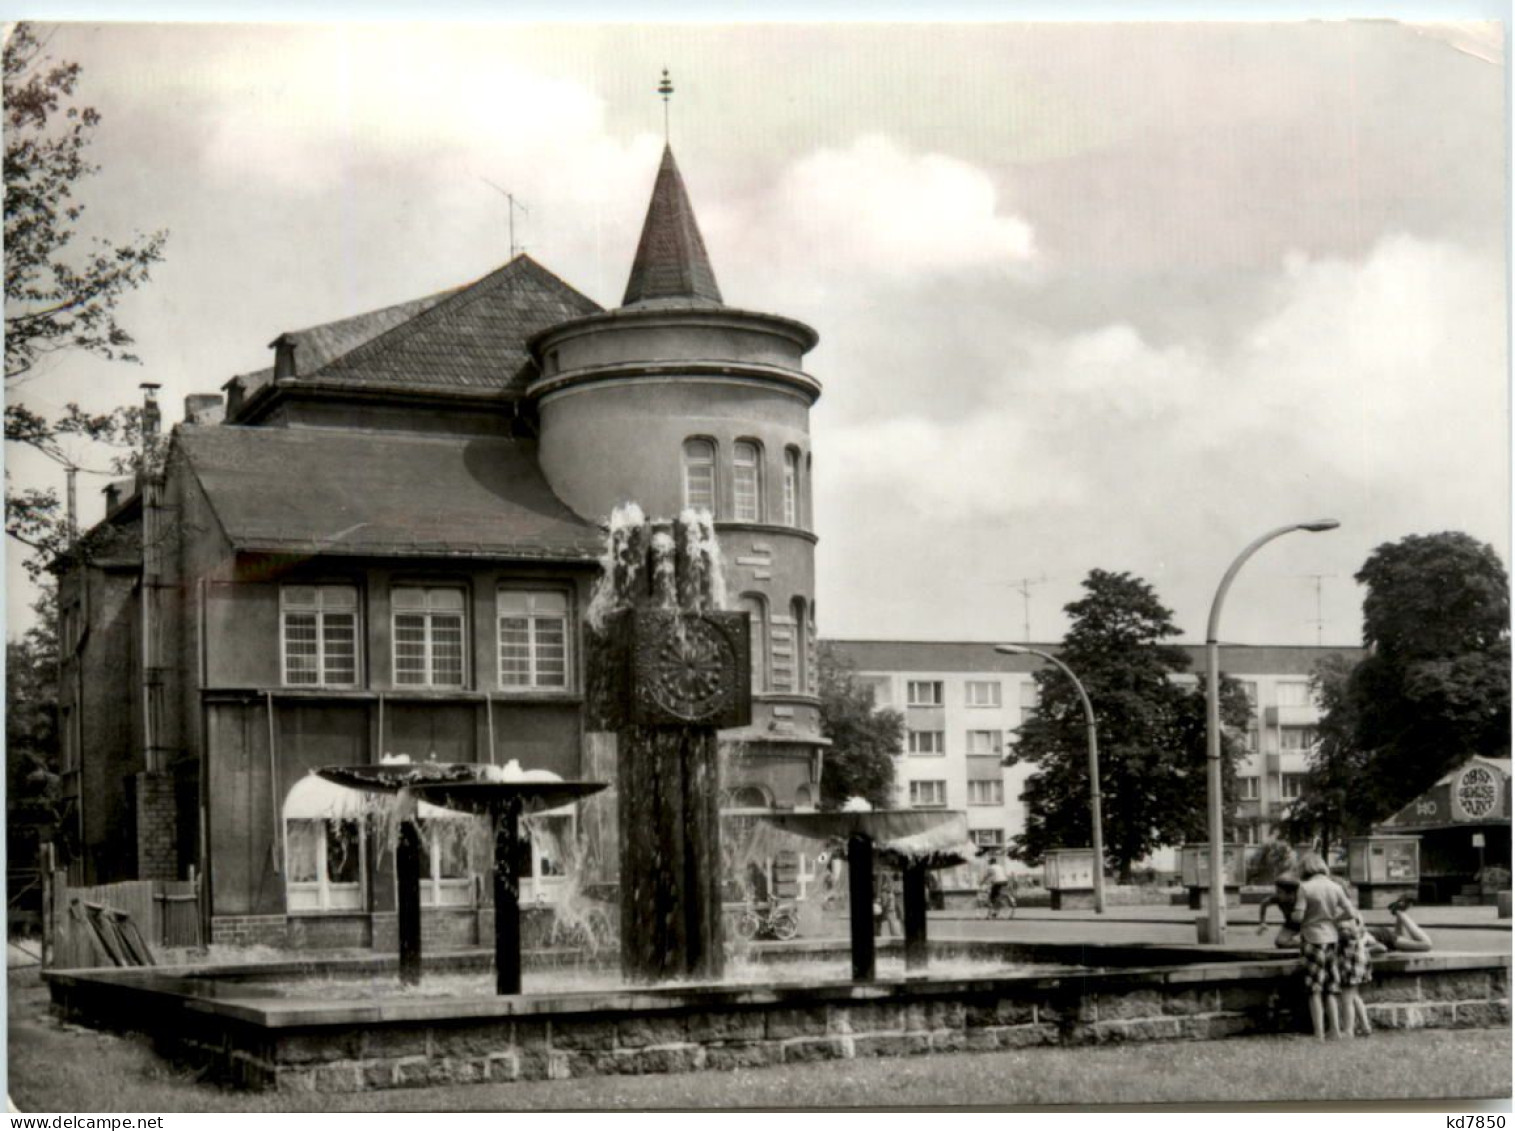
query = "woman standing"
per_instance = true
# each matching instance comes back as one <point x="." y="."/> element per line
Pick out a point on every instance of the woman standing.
<point x="1320" y="906"/>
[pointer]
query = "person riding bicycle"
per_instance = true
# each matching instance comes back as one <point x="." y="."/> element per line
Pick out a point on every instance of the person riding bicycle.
<point x="997" y="880"/>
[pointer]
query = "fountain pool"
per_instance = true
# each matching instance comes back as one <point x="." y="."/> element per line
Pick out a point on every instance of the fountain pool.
<point x="239" y="1023"/>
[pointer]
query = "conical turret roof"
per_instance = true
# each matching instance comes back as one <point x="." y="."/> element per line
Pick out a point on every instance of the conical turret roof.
<point x="671" y="266"/>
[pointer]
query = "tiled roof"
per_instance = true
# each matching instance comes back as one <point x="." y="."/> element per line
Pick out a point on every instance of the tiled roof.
<point x="671" y="266"/>
<point x="471" y="338"/>
<point x="344" y="491"/>
<point x="320" y="345"/>
<point x="250" y="382"/>
<point x="958" y="656"/>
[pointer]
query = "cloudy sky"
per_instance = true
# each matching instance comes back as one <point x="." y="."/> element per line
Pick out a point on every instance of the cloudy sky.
<point x="1118" y="296"/>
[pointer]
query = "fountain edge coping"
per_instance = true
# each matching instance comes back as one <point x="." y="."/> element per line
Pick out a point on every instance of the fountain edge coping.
<point x="286" y="1013"/>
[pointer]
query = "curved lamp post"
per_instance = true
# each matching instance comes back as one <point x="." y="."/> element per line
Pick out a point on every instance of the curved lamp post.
<point x="1213" y="776"/>
<point x="1094" y="810"/>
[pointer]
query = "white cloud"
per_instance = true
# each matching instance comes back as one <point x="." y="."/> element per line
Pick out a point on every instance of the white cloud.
<point x="344" y="99"/>
<point x="871" y="214"/>
<point x="1373" y="391"/>
<point x="1389" y="371"/>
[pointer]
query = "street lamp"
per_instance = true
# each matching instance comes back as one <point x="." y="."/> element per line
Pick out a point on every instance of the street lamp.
<point x="1213" y="777"/>
<point x="1094" y="812"/>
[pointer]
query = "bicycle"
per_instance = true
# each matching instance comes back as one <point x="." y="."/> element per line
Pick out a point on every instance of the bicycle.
<point x="1005" y="901"/>
<point x="773" y="920"/>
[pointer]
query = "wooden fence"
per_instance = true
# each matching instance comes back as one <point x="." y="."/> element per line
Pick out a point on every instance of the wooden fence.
<point x="117" y="924"/>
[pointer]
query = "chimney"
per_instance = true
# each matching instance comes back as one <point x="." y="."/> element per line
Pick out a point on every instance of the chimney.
<point x="236" y="392"/>
<point x="118" y="492"/>
<point x="204" y="408"/>
<point x="152" y="416"/>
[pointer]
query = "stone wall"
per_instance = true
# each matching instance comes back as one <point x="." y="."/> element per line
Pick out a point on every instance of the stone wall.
<point x="351" y="1046"/>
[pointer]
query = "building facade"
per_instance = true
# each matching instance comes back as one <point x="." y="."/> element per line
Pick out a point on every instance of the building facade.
<point x="384" y="545"/>
<point x="963" y="703"/>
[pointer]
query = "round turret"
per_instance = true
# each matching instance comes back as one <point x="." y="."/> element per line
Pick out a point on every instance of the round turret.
<point x="675" y="400"/>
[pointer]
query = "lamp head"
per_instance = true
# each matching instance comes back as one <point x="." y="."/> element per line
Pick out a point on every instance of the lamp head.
<point x="1012" y="649"/>
<point x="1319" y="524"/>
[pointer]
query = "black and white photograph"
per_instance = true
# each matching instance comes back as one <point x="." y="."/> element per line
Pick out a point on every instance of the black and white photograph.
<point x="765" y="561"/>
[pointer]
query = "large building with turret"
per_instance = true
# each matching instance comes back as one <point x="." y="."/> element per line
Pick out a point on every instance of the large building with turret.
<point x="384" y="545"/>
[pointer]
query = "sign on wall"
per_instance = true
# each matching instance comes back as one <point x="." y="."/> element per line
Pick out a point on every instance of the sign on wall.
<point x="1475" y="794"/>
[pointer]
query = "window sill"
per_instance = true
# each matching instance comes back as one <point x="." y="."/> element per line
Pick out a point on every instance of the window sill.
<point x="420" y="694"/>
<point x="330" y="913"/>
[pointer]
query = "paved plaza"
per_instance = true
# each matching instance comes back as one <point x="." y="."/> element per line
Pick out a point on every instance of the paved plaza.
<point x="1455" y="930"/>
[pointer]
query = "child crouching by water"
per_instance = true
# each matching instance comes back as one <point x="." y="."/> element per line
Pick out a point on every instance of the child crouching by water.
<point x="1285" y="892"/>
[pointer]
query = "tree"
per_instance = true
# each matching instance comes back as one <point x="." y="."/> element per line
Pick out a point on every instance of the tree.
<point x="56" y="300"/>
<point x="1332" y="804"/>
<point x="52" y="303"/>
<point x="864" y="739"/>
<point x="1151" y="731"/>
<point x="32" y="766"/>
<point x="1435" y="686"/>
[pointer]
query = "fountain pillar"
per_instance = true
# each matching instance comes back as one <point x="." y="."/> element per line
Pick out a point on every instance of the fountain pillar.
<point x="506" y="819"/>
<point x="915" y="913"/>
<point x="860" y="901"/>
<point x="408" y="900"/>
<point x="668" y="669"/>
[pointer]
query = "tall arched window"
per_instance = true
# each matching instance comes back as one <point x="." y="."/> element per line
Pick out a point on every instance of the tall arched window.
<point x="699" y="475"/>
<point x="791" y="487"/>
<point x="747" y="481"/>
<point x="757" y="612"/>
<point x="801" y="646"/>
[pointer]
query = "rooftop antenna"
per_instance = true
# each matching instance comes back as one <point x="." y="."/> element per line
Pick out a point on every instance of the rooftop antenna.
<point x="665" y="88"/>
<point x="1024" y="586"/>
<point x="515" y="249"/>
<point x="1320" y="621"/>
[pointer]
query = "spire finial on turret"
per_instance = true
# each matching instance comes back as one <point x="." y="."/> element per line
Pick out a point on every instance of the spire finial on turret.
<point x="671" y="266"/>
<point x="665" y="88"/>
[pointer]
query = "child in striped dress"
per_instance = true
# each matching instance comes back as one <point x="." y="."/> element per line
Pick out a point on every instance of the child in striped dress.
<point x="1356" y="965"/>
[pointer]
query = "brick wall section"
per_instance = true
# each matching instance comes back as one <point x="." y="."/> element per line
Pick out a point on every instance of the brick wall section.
<point x="157" y="828"/>
<point x="250" y="930"/>
<point x="441" y="929"/>
<point x="720" y="1029"/>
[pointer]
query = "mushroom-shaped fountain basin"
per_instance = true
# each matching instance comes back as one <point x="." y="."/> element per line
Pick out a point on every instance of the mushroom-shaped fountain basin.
<point x="471" y="787"/>
<point x="485" y="797"/>
<point x="504" y="794"/>
<point x="918" y="839"/>
<point x="909" y="832"/>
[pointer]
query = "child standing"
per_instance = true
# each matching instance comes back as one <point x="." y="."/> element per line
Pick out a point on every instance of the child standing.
<point x="1320" y="907"/>
<point x="1356" y="970"/>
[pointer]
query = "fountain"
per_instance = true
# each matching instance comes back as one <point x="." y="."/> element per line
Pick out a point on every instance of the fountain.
<point x="919" y="839"/>
<point x="503" y="794"/>
<point x="667" y="668"/>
